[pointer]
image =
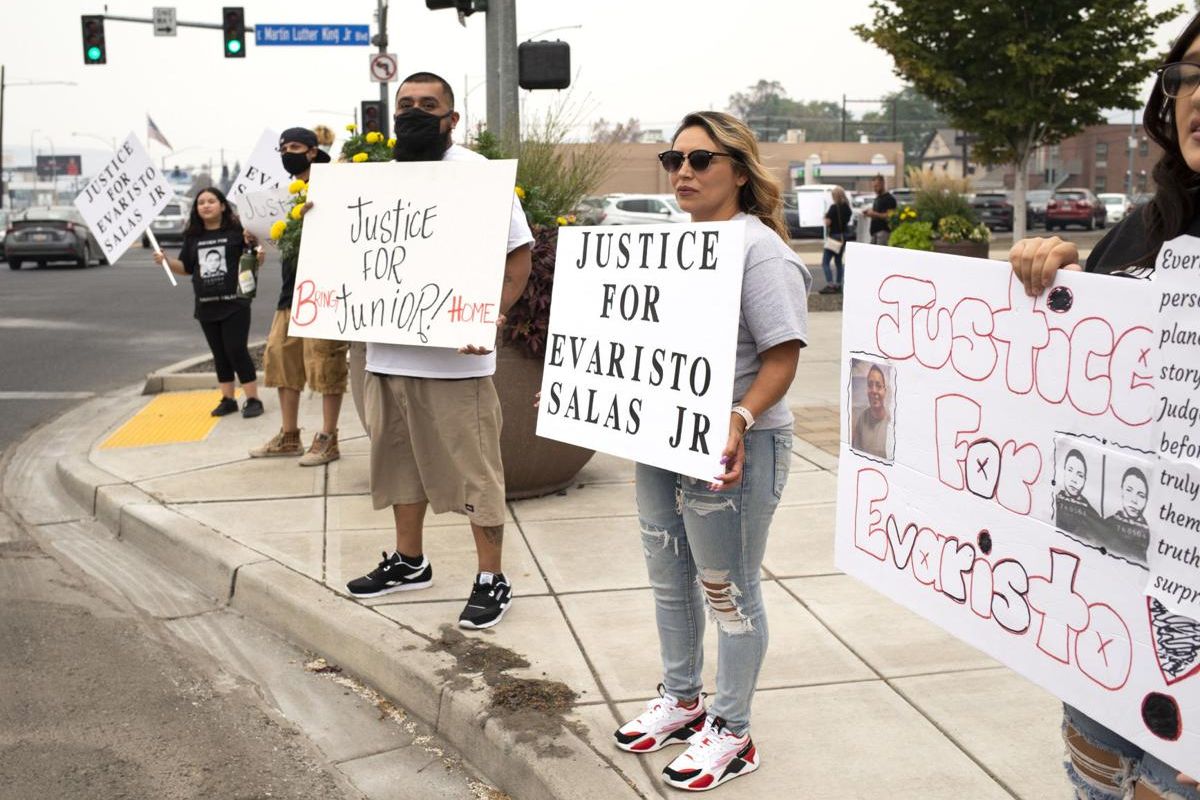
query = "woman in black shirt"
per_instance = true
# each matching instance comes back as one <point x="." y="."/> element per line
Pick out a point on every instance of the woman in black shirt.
<point x="837" y="222"/>
<point x="212" y="246"/>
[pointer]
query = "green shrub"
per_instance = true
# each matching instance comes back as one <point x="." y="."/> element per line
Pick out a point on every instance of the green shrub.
<point x="913" y="236"/>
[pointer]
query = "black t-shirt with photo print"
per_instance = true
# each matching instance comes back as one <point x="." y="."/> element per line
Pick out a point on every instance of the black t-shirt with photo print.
<point x="211" y="258"/>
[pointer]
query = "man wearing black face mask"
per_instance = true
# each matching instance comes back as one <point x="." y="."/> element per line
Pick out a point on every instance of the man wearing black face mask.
<point x="290" y="362"/>
<point x="432" y="413"/>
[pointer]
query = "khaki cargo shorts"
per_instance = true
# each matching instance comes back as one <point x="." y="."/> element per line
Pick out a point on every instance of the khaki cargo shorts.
<point x="437" y="441"/>
<point x="291" y="361"/>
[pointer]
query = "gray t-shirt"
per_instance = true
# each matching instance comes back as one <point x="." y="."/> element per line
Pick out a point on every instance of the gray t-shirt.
<point x="775" y="287"/>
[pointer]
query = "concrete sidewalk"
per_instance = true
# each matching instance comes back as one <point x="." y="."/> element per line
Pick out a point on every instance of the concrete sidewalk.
<point x="858" y="698"/>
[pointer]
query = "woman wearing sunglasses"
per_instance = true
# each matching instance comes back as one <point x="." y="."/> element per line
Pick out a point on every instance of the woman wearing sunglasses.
<point x="704" y="541"/>
<point x="1101" y="764"/>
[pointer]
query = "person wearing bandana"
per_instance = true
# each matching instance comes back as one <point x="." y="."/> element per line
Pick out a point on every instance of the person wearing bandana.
<point x="432" y="413"/>
<point x="289" y="362"/>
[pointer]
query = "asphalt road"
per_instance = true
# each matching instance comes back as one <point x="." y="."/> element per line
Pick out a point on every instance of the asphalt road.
<point x="68" y="333"/>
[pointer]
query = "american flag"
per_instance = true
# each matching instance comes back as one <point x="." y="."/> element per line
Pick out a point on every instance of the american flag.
<point x="154" y="134"/>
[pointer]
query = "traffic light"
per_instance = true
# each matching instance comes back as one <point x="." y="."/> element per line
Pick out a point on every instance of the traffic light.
<point x="371" y="115"/>
<point x="464" y="7"/>
<point x="235" y="31"/>
<point x="94" y="51"/>
<point x="544" y="65"/>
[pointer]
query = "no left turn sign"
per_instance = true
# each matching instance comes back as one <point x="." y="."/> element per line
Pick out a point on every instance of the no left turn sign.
<point x="383" y="67"/>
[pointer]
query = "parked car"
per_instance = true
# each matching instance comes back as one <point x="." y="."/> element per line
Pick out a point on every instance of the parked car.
<point x="53" y="233"/>
<point x="642" y="209"/>
<point x="1140" y="200"/>
<point x="590" y="211"/>
<point x="904" y="196"/>
<point x="170" y="223"/>
<point x="1116" y="206"/>
<point x="1074" y="206"/>
<point x="1035" y="203"/>
<point x="4" y="214"/>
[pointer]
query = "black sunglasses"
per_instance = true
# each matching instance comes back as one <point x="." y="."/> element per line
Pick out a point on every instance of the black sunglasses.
<point x="699" y="160"/>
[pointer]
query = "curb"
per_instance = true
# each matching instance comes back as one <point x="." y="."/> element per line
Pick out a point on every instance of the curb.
<point x="397" y="661"/>
<point x="172" y="378"/>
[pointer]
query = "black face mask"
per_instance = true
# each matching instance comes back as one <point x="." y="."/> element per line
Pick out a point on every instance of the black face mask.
<point x="295" y="163"/>
<point x="419" y="136"/>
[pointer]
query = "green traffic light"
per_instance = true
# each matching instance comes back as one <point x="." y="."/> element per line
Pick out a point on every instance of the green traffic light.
<point x="234" y="46"/>
<point x="93" y="53"/>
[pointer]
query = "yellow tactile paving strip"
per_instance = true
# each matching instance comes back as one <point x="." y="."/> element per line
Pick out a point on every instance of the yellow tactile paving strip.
<point x="173" y="418"/>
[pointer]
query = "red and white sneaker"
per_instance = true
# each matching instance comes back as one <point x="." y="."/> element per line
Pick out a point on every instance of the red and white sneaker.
<point x="663" y="722"/>
<point x="714" y="756"/>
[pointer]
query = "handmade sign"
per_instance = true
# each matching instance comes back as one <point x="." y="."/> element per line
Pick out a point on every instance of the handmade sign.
<point x="1001" y="474"/>
<point x="126" y="195"/>
<point x="404" y="253"/>
<point x="641" y="345"/>
<point x="258" y="211"/>
<point x="263" y="170"/>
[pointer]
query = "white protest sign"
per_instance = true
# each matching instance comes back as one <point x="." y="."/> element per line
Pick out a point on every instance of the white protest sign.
<point x="404" y="253"/>
<point x="641" y="344"/>
<point x="258" y="211"/>
<point x="124" y="197"/>
<point x="812" y="206"/>
<point x="997" y="470"/>
<point x="263" y="170"/>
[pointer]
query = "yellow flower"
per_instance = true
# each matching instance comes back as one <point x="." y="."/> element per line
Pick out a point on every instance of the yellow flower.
<point x="297" y="186"/>
<point x="391" y="142"/>
<point x="561" y="220"/>
<point x="352" y="127"/>
<point x="358" y="158"/>
<point x="297" y="211"/>
<point x="519" y="192"/>
<point x="374" y="136"/>
<point x="277" y="229"/>
<point x="571" y="218"/>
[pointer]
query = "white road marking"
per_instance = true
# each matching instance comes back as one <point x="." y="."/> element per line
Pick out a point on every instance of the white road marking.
<point x="46" y="395"/>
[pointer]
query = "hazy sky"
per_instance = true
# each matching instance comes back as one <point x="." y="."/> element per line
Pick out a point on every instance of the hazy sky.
<point x="650" y="59"/>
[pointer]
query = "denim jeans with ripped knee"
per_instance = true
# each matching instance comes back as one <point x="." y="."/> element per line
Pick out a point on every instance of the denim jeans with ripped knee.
<point x="704" y="553"/>
<point x="1103" y="765"/>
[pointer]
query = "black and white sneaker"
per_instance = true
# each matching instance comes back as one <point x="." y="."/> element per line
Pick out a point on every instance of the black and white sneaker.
<point x="490" y="598"/>
<point x="394" y="574"/>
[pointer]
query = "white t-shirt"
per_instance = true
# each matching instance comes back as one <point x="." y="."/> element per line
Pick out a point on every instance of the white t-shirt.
<point x="444" y="362"/>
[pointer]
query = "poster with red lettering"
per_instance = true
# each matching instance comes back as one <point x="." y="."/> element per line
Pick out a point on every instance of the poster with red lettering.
<point x="1001" y="475"/>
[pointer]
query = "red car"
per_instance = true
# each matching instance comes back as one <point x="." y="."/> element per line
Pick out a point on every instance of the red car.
<point x="1075" y="207"/>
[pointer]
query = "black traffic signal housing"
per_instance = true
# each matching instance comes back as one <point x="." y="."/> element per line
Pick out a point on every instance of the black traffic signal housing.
<point x="371" y="117"/>
<point x="544" y="65"/>
<point x="464" y="7"/>
<point x="94" y="49"/>
<point x="233" y="22"/>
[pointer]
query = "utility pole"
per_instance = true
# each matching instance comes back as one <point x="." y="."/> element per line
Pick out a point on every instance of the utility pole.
<point x="1132" y="145"/>
<point x="3" y="191"/>
<point x="843" y="118"/>
<point x="503" y="107"/>
<point x="381" y="40"/>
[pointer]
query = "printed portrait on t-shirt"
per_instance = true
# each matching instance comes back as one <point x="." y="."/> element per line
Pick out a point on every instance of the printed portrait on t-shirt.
<point x="871" y="419"/>
<point x="212" y="262"/>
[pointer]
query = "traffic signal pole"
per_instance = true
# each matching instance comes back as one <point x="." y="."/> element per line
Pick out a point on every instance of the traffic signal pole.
<point x="503" y="99"/>
<point x="381" y="40"/>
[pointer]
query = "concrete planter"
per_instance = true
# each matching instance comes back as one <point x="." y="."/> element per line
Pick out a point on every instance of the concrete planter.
<point x="969" y="249"/>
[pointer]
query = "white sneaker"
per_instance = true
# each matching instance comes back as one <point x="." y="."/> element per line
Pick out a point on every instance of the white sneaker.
<point x="714" y="756"/>
<point x="663" y="722"/>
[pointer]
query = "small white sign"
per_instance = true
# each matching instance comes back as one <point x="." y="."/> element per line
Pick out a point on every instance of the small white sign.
<point x="164" y="21"/>
<point x="642" y="340"/>
<point x="125" y="196"/>
<point x="258" y="211"/>
<point x="383" y="67"/>
<point x="263" y="170"/>
<point x="404" y="253"/>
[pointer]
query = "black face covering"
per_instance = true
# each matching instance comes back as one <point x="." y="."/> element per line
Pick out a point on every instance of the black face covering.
<point x="295" y="163"/>
<point x="419" y="136"/>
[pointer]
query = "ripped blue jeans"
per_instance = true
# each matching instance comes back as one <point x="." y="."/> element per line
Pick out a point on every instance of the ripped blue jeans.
<point x="1102" y="765"/>
<point x="704" y="553"/>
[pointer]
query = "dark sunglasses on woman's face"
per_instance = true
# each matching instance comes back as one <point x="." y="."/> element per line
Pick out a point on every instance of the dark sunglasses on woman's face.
<point x="672" y="160"/>
<point x="1180" y="79"/>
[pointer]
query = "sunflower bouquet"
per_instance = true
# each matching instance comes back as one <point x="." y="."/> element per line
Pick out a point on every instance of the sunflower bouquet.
<point x="369" y="146"/>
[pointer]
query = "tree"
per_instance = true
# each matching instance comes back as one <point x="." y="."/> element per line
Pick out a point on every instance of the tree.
<point x="769" y="112"/>
<point x="607" y="132"/>
<point x="916" y="116"/>
<point x="1019" y="75"/>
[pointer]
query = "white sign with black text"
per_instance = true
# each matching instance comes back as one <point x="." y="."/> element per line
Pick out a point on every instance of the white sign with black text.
<point x="258" y="211"/>
<point x="263" y="170"/>
<point x="642" y="340"/>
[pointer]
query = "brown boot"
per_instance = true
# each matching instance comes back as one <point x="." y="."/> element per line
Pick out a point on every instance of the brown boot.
<point x="284" y="443"/>
<point x="323" y="450"/>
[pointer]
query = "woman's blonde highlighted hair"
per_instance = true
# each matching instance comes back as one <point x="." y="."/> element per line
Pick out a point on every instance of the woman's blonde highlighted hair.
<point x="759" y="195"/>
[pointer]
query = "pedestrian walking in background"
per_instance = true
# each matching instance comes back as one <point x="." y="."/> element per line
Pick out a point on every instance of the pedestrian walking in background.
<point x="1101" y="764"/>
<point x="290" y="362"/>
<point x="881" y="207"/>
<point x="213" y="243"/>
<point x="704" y="542"/>
<point x="837" y="226"/>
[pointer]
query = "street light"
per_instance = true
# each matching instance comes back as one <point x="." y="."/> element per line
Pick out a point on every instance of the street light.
<point x="3" y="84"/>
